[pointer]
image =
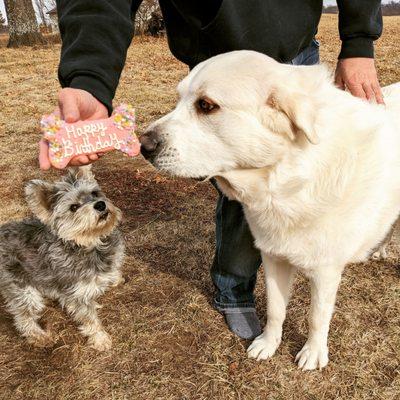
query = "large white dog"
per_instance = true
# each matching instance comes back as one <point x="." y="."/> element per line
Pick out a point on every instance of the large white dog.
<point x="316" y="169"/>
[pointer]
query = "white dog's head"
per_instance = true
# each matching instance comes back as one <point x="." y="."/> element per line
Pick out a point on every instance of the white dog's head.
<point x="237" y="110"/>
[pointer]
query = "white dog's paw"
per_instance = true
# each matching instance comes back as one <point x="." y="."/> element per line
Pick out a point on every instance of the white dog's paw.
<point x="100" y="341"/>
<point x="312" y="356"/>
<point x="263" y="347"/>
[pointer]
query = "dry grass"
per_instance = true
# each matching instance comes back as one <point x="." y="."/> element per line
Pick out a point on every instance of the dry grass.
<point x="169" y="343"/>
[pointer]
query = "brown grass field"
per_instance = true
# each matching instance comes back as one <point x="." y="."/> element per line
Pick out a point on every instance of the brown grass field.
<point x="169" y="342"/>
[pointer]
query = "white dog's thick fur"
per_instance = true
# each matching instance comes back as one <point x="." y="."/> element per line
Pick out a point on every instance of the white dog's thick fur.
<point x="316" y="169"/>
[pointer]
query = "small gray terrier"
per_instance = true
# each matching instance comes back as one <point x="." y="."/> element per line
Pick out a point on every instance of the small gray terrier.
<point x="71" y="251"/>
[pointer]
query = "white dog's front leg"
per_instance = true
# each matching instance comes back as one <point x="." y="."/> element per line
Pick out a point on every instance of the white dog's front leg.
<point x="278" y="281"/>
<point x="324" y="286"/>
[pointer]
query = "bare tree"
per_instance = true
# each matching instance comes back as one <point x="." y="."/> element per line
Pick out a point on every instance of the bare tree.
<point x="155" y="25"/>
<point x="40" y="7"/>
<point x="2" y="23"/>
<point x="22" y="23"/>
<point x="392" y="8"/>
<point x="143" y="15"/>
<point x="330" y="10"/>
<point x="43" y="7"/>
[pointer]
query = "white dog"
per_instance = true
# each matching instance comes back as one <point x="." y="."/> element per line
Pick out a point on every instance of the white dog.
<point x="316" y="169"/>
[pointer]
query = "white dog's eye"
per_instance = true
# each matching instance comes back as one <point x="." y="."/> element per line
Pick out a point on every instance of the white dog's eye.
<point x="206" y="105"/>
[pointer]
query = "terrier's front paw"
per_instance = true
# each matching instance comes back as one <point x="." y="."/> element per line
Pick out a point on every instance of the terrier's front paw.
<point x="263" y="347"/>
<point x="100" y="341"/>
<point x="120" y="281"/>
<point x="44" y="339"/>
<point x="312" y="356"/>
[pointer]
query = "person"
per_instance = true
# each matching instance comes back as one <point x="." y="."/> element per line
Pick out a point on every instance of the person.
<point x="97" y="33"/>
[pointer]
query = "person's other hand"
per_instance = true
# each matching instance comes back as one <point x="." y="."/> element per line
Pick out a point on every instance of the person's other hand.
<point x="359" y="76"/>
<point x="74" y="105"/>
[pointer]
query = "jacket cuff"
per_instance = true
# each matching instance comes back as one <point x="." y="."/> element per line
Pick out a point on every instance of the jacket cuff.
<point x="95" y="87"/>
<point x="357" y="47"/>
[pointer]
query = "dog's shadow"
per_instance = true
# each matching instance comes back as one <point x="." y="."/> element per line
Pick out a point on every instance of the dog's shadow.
<point x="168" y="224"/>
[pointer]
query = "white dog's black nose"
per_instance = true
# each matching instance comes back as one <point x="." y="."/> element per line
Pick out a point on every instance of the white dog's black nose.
<point x="100" y="206"/>
<point x="150" y="144"/>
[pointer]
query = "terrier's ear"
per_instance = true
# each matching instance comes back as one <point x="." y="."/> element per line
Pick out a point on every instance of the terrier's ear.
<point x="75" y="173"/>
<point x="40" y="198"/>
<point x="295" y="113"/>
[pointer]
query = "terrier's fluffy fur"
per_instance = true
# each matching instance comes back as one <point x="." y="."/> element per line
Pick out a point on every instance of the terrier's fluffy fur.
<point x="70" y="251"/>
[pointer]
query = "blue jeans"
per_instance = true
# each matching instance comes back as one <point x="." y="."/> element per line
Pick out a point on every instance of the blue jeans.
<point x="236" y="260"/>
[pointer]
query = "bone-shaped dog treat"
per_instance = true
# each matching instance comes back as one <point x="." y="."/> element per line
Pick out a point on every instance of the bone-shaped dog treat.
<point x="86" y="137"/>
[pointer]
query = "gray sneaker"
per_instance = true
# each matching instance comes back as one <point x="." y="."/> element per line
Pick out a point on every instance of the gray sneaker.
<point x="243" y="322"/>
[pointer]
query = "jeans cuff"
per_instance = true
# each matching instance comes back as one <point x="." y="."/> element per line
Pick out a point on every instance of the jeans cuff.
<point x="223" y="306"/>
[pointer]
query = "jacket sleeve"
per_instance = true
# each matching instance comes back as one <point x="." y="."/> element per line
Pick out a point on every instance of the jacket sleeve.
<point x="95" y="37"/>
<point x="360" y="23"/>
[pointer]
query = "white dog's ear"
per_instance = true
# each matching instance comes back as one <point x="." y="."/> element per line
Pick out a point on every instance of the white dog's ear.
<point x="294" y="112"/>
<point x="40" y="197"/>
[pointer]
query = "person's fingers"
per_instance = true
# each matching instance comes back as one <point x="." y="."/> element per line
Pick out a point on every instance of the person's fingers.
<point x="356" y="90"/>
<point x="74" y="163"/>
<point x="68" y="105"/>
<point x="79" y="161"/>
<point x="57" y="112"/>
<point x="93" y="157"/>
<point x="378" y="93"/>
<point x="339" y="82"/>
<point x="44" y="161"/>
<point x="83" y="159"/>
<point x="369" y="92"/>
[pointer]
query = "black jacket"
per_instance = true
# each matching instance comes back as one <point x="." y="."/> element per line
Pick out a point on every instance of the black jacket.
<point x="97" y="33"/>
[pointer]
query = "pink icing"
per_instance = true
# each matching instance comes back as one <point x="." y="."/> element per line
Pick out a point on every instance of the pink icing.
<point x="86" y="137"/>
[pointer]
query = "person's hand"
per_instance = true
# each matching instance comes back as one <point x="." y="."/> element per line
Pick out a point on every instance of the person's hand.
<point x="359" y="76"/>
<point x="74" y="105"/>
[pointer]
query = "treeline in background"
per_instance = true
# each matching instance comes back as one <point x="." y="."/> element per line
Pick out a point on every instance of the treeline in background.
<point x="33" y="22"/>
<point x="392" y="8"/>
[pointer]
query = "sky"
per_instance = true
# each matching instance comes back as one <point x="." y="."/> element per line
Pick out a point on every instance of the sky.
<point x="326" y="2"/>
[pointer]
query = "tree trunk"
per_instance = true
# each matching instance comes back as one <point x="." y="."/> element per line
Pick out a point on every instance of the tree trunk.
<point x="41" y="10"/>
<point x="22" y="23"/>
